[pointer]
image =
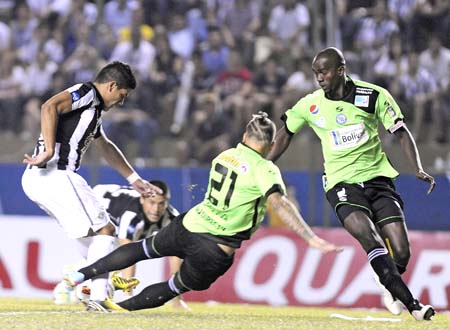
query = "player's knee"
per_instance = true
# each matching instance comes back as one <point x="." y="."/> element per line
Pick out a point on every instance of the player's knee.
<point x="401" y="259"/>
<point x="150" y="249"/>
<point x="190" y="284"/>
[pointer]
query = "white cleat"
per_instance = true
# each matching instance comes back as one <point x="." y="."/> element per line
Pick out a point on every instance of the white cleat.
<point x="394" y="306"/>
<point x="423" y="312"/>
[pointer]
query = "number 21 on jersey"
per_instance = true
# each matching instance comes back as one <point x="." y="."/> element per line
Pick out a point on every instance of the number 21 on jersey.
<point x="221" y="190"/>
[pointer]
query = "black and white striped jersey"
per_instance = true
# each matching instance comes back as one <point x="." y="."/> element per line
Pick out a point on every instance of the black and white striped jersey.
<point x="76" y="129"/>
<point x="125" y="210"/>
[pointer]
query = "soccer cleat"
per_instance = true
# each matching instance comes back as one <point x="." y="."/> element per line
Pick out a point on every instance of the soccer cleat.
<point x="72" y="279"/>
<point x="106" y="306"/>
<point x="422" y="312"/>
<point x="124" y="284"/>
<point x="394" y="306"/>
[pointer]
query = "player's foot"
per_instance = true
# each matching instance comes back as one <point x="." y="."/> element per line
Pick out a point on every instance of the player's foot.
<point x="422" y="312"/>
<point x="105" y="306"/>
<point x="72" y="279"/>
<point x="394" y="306"/>
<point x="124" y="284"/>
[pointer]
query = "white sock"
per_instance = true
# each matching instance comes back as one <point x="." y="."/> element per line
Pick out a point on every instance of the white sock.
<point x="100" y="246"/>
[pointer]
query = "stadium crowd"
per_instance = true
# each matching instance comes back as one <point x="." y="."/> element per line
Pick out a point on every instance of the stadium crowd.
<point x="204" y="66"/>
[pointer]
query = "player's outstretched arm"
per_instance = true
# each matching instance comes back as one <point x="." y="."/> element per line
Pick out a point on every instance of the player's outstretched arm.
<point x="116" y="159"/>
<point x="282" y="141"/>
<point x="409" y="148"/>
<point x="291" y="217"/>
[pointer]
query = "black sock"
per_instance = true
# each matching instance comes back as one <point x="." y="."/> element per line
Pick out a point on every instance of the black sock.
<point x="401" y="269"/>
<point x="152" y="296"/>
<point x="121" y="258"/>
<point x="389" y="276"/>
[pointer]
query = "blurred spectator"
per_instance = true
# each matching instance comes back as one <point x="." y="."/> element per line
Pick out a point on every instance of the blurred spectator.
<point x="234" y="86"/>
<point x="32" y="116"/>
<point x="5" y="35"/>
<point x="118" y="14"/>
<point x="181" y="39"/>
<point x="164" y="79"/>
<point x="54" y="46"/>
<point x="444" y="110"/>
<point x="44" y="8"/>
<point x="137" y="52"/>
<point x="208" y="133"/>
<point x="22" y="26"/>
<point x="240" y="23"/>
<point x="39" y="76"/>
<point x="435" y="58"/>
<point x="391" y="64"/>
<point x="350" y="13"/>
<point x="215" y="52"/>
<point x="374" y="33"/>
<point x="12" y="77"/>
<point x="299" y="83"/>
<point x="289" y="24"/>
<point x="443" y="29"/>
<point x="425" y="21"/>
<point x="419" y="92"/>
<point x="105" y="41"/>
<point x="82" y="64"/>
<point x="268" y="83"/>
<point x="131" y="124"/>
<point x="29" y="51"/>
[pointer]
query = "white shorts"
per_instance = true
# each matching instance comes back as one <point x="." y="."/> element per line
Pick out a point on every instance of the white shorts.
<point x="67" y="197"/>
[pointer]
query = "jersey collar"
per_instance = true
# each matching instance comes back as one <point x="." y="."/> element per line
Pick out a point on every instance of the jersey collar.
<point x="99" y="97"/>
<point x="244" y="147"/>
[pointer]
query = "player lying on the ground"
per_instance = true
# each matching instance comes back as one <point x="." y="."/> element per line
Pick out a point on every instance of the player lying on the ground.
<point x="241" y="182"/>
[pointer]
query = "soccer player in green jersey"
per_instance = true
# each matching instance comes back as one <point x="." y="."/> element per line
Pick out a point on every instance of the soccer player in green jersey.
<point x="241" y="181"/>
<point x="344" y="113"/>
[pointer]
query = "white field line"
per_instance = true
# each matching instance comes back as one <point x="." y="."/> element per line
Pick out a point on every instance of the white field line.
<point x="367" y="318"/>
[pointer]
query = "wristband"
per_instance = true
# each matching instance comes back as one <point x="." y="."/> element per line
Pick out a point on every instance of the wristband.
<point x="133" y="177"/>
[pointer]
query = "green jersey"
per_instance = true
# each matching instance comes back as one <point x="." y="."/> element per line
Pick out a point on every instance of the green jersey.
<point x="348" y="131"/>
<point x="240" y="179"/>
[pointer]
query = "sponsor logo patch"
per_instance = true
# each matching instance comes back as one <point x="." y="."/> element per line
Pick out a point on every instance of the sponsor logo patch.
<point x="314" y="109"/>
<point x="320" y="122"/>
<point x="348" y="137"/>
<point x="341" y="119"/>
<point x="243" y="168"/>
<point x="391" y="111"/>
<point x="362" y="100"/>
<point x="75" y="96"/>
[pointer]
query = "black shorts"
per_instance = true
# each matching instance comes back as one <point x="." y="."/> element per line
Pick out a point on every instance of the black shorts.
<point x="377" y="198"/>
<point x="203" y="260"/>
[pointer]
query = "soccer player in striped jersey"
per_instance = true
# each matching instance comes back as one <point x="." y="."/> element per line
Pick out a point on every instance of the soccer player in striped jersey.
<point x="138" y="217"/>
<point x="344" y="113"/>
<point x="70" y="122"/>
<point x="241" y="182"/>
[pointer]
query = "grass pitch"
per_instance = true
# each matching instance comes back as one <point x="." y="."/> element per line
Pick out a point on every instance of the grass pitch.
<point x="34" y="314"/>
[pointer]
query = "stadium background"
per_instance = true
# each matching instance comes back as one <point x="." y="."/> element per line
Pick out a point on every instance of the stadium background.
<point x="201" y="64"/>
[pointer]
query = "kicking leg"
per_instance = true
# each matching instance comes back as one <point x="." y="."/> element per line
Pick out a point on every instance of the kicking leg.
<point x="395" y="237"/>
<point x="359" y="225"/>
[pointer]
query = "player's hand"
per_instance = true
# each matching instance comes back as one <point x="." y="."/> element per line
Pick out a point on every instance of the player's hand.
<point x="38" y="160"/>
<point x="321" y="244"/>
<point x="145" y="188"/>
<point x="422" y="175"/>
<point x="179" y="303"/>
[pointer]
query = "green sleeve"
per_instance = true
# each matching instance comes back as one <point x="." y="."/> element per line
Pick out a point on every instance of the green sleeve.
<point x="387" y="110"/>
<point x="268" y="176"/>
<point x="294" y="117"/>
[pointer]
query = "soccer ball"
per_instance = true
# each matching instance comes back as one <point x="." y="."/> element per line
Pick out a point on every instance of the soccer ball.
<point x="63" y="295"/>
<point x="83" y="291"/>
